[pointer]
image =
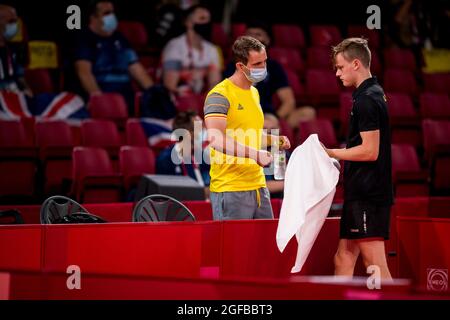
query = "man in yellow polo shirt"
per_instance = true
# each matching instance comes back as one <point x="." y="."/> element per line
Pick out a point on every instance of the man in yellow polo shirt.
<point x="234" y="120"/>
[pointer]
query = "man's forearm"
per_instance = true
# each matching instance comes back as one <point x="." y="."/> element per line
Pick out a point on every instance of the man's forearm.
<point x="226" y="144"/>
<point x="285" y="109"/>
<point x="89" y="83"/>
<point x="358" y="153"/>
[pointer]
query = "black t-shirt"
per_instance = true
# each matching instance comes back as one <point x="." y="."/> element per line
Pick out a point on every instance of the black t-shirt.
<point x="276" y="79"/>
<point x="369" y="181"/>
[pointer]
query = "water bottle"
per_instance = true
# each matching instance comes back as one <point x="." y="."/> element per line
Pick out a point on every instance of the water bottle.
<point x="279" y="161"/>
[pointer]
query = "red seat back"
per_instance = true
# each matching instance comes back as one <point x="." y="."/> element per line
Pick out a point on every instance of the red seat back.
<point x="99" y="133"/>
<point x="288" y="36"/>
<point x="14" y="134"/>
<point x="90" y="162"/>
<point x="404" y="158"/>
<point x="289" y="58"/>
<point x="434" y="105"/>
<point x="39" y="80"/>
<point x="134" y="32"/>
<point x="323" y="128"/>
<point x="397" y="58"/>
<point x="108" y="106"/>
<point x="318" y="58"/>
<point x="54" y="133"/>
<point x="372" y="36"/>
<point x="324" y="35"/>
<point x="345" y="107"/>
<point x="322" y="86"/>
<point x="438" y="82"/>
<point x="400" y="105"/>
<point x="136" y="161"/>
<point x="135" y="133"/>
<point x="400" y="81"/>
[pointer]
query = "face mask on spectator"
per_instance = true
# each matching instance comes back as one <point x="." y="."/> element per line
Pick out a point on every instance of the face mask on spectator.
<point x="109" y="22"/>
<point x="10" y="30"/>
<point x="203" y="29"/>
<point x="256" y="74"/>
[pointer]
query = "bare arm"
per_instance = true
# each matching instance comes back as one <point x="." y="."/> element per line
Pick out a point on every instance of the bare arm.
<point x="220" y="141"/>
<point x="138" y="72"/>
<point x="83" y="69"/>
<point x="287" y="99"/>
<point x="275" y="186"/>
<point x="368" y="150"/>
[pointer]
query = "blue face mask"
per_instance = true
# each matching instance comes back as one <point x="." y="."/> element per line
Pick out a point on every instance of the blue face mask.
<point x="109" y="22"/>
<point x="10" y="30"/>
<point x="256" y="74"/>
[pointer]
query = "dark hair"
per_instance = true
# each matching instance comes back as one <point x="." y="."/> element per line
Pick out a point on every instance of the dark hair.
<point x="189" y="11"/>
<point x="92" y="8"/>
<point x="353" y="48"/>
<point x="242" y="47"/>
<point x="259" y="24"/>
<point x="184" y="120"/>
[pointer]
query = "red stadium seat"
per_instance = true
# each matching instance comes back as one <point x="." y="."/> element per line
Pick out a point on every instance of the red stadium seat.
<point x="39" y="80"/>
<point x="110" y="106"/>
<point x="319" y="58"/>
<point x="55" y="141"/>
<point x="396" y="58"/>
<point x="345" y="107"/>
<point x="288" y="36"/>
<point x="322" y="87"/>
<point x="219" y="37"/>
<point x="325" y="35"/>
<point x="404" y="119"/>
<point x="135" y="33"/>
<point x="296" y="85"/>
<point x="135" y="133"/>
<point x="437" y="82"/>
<point x="134" y="162"/>
<point x="289" y="58"/>
<point x="102" y="134"/>
<point x="435" y="105"/>
<point x="286" y="130"/>
<point x="409" y="178"/>
<point x="401" y="109"/>
<point x="437" y="153"/>
<point x="237" y="30"/>
<point x="372" y="36"/>
<point x="375" y="65"/>
<point x="18" y="158"/>
<point x="400" y="81"/>
<point x="192" y="102"/>
<point x="323" y="128"/>
<point x="94" y="177"/>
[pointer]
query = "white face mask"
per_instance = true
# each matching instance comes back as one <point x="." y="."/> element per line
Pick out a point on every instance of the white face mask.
<point x="11" y="30"/>
<point x="256" y="74"/>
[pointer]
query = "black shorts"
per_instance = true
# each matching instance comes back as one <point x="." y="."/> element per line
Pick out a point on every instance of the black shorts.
<point x="363" y="219"/>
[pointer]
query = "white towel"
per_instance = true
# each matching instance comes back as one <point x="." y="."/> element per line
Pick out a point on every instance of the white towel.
<point x="309" y="187"/>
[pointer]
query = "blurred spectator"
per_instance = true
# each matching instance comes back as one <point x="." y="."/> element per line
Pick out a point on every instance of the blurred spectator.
<point x="417" y="23"/>
<point x="276" y="187"/>
<point x="104" y="60"/>
<point x="276" y="82"/>
<point x="168" y="21"/>
<point x="192" y="64"/>
<point x="179" y="158"/>
<point x="12" y="59"/>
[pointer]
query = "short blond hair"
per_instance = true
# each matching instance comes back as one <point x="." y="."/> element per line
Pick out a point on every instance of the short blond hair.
<point x="353" y="48"/>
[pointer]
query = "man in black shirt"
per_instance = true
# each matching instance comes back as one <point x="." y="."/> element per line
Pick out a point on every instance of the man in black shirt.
<point x="368" y="189"/>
